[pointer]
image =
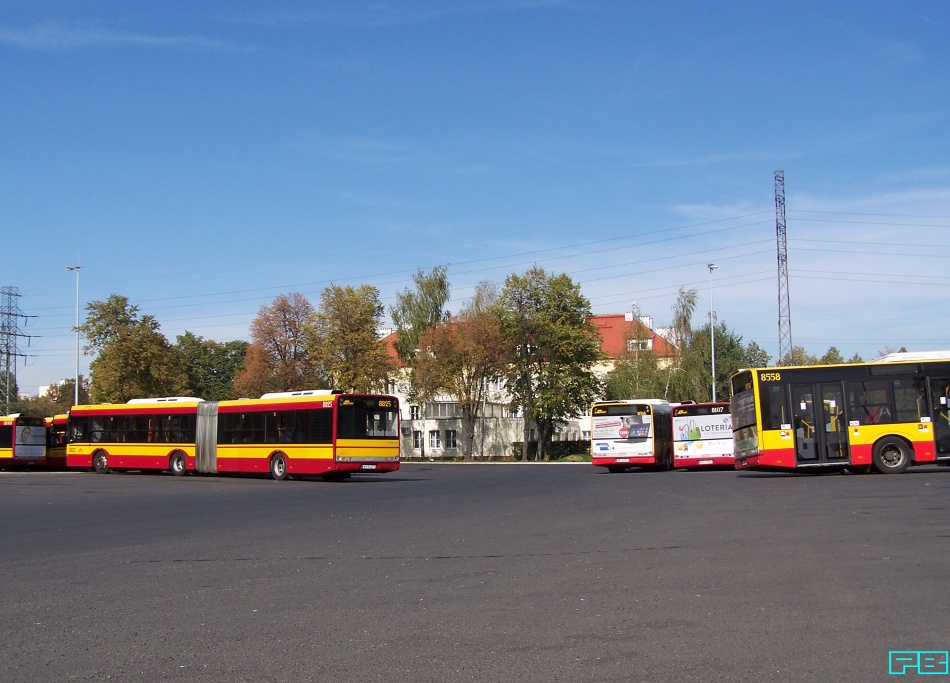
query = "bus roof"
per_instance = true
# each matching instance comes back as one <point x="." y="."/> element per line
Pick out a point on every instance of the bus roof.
<point x="167" y="399"/>
<point x="291" y="394"/>
<point x="650" y="401"/>
<point x="905" y="356"/>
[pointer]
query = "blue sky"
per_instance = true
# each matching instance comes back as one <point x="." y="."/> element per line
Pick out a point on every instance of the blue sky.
<point x="201" y="158"/>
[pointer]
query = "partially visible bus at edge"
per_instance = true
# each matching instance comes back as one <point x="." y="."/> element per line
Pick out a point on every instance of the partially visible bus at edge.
<point x="56" y="441"/>
<point x="886" y="415"/>
<point x="702" y="435"/>
<point x="631" y="433"/>
<point x="22" y="441"/>
<point x="304" y="432"/>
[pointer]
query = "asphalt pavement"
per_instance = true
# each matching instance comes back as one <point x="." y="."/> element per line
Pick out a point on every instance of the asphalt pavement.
<point x="472" y="573"/>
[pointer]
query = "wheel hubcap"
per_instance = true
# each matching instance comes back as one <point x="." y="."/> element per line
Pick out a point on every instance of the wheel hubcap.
<point x="893" y="456"/>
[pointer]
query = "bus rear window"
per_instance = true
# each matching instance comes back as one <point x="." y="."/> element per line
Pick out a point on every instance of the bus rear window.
<point x="359" y="419"/>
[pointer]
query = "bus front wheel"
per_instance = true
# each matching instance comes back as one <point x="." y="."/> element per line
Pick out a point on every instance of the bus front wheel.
<point x="100" y="463"/>
<point x="891" y="456"/>
<point x="278" y="467"/>
<point x="177" y="464"/>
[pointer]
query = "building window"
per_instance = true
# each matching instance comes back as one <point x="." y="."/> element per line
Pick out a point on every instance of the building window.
<point x="442" y="409"/>
<point x="639" y="344"/>
<point x="435" y="440"/>
<point x="532" y="434"/>
<point x="417" y="440"/>
<point x="585" y="436"/>
<point x="450" y="438"/>
<point x="413" y="412"/>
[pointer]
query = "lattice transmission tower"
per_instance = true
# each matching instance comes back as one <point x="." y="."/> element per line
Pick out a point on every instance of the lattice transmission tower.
<point x="784" y="309"/>
<point x="10" y="335"/>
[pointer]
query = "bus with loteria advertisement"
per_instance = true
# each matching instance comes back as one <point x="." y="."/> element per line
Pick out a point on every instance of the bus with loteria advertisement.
<point x="702" y="435"/>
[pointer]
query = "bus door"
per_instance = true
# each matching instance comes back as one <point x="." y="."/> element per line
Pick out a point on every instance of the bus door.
<point x="821" y="431"/>
<point x="940" y="398"/>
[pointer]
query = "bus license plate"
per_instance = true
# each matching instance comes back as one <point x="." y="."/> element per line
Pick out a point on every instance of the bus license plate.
<point x="623" y="459"/>
<point x="705" y="462"/>
<point x="367" y="467"/>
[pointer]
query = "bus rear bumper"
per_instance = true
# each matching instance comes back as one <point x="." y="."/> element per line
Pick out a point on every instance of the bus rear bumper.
<point x="717" y="461"/>
<point x="624" y="462"/>
<point x="367" y="467"/>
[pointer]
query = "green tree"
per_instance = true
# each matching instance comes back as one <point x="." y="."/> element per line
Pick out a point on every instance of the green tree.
<point x="63" y="395"/>
<point x="832" y="356"/>
<point x="461" y="356"/>
<point x="344" y="341"/>
<point x="210" y="365"/>
<point x="756" y="356"/>
<point x="134" y="358"/>
<point x="731" y="356"/>
<point x="798" y="356"/>
<point x="57" y="400"/>
<point x="552" y="347"/>
<point x="419" y="309"/>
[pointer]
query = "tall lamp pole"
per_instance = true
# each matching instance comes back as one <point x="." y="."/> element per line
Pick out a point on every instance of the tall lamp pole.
<point x="76" y="387"/>
<point x="712" y="329"/>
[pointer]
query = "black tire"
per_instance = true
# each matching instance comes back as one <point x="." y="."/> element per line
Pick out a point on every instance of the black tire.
<point x="891" y="455"/>
<point x="178" y="464"/>
<point x="278" y="467"/>
<point x="100" y="462"/>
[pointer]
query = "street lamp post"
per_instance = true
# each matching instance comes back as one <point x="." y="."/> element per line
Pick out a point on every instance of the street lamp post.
<point x="712" y="329"/>
<point x="76" y="387"/>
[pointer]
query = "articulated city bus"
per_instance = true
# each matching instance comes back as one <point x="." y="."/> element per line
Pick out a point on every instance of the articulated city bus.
<point x="631" y="433"/>
<point x="702" y="435"/>
<point x="22" y="441"/>
<point x="886" y="415"/>
<point x="305" y="432"/>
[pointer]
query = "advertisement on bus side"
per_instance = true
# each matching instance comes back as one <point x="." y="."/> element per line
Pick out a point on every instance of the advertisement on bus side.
<point x="623" y="435"/>
<point x="30" y="443"/>
<point x="702" y="435"/>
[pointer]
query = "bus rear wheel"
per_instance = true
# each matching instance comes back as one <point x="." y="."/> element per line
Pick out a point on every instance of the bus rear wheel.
<point x="278" y="467"/>
<point x="891" y="456"/>
<point x="177" y="464"/>
<point x="100" y="463"/>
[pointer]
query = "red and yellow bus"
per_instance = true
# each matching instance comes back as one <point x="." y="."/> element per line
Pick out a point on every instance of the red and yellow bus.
<point x="22" y="441"/>
<point x="884" y="415"/>
<point x="631" y="433"/>
<point x="56" y="441"/>
<point x="702" y="435"/>
<point x="306" y="432"/>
